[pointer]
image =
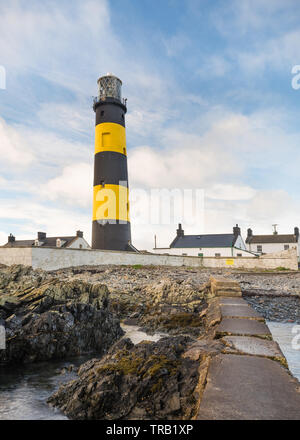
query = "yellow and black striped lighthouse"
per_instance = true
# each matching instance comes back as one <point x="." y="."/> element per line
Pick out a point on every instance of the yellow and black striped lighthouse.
<point x="111" y="222"/>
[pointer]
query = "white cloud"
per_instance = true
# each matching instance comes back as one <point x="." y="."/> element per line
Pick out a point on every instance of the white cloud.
<point x="74" y="186"/>
<point x="13" y="149"/>
<point x="67" y="118"/>
<point x="230" y="192"/>
<point x="39" y="217"/>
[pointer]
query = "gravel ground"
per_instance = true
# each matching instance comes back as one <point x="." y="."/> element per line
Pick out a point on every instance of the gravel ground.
<point x="280" y="309"/>
<point x="126" y="278"/>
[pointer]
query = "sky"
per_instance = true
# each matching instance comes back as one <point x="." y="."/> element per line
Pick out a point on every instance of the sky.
<point x="211" y="107"/>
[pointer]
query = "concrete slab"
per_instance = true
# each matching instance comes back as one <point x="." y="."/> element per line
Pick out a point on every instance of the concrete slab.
<point x="225" y="287"/>
<point x="254" y="346"/>
<point x="220" y="282"/>
<point x="239" y="327"/>
<point x="232" y="301"/>
<point x="240" y="311"/>
<point x="249" y="388"/>
<point x="229" y="293"/>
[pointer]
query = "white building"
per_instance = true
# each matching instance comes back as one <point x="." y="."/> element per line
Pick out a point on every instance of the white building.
<point x="73" y="242"/>
<point x="267" y="244"/>
<point x="207" y="245"/>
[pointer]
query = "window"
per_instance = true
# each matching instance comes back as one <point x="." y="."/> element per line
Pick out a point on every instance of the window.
<point x="102" y="113"/>
<point x="286" y="247"/>
<point x="200" y="255"/>
<point x="106" y="140"/>
<point x="239" y="255"/>
<point x="217" y="255"/>
<point x="184" y="255"/>
<point x="259" y="248"/>
<point x="80" y="246"/>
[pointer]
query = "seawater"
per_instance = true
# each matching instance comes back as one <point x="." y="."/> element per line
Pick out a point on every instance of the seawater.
<point x="282" y="333"/>
<point x="24" y="390"/>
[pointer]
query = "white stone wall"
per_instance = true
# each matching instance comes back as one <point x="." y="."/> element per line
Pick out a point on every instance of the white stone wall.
<point x="52" y="259"/>
<point x="16" y="255"/>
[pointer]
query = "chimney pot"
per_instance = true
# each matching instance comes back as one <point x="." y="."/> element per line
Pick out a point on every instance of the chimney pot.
<point x="79" y="234"/>
<point x="180" y="231"/>
<point x="11" y="238"/>
<point x="236" y="230"/>
<point x="41" y="236"/>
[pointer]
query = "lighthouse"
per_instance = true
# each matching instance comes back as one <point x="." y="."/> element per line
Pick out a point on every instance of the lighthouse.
<point x="111" y="222"/>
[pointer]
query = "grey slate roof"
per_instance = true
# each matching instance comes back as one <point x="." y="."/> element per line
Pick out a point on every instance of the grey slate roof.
<point x="274" y="238"/>
<point x="47" y="242"/>
<point x="202" y="241"/>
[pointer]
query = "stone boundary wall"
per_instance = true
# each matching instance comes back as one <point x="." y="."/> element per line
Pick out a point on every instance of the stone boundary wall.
<point x="16" y="255"/>
<point x="53" y="259"/>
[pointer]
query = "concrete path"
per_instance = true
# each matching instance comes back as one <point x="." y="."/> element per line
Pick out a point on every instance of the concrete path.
<point x="253" y="346"/>
<point x="240" y="311"/>
<point x="248" y="380"/>
<point x="236" y="326"/>
<point x="249" y="388"/>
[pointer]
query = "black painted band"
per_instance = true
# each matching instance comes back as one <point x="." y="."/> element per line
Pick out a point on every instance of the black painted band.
<point x="110" y="168"/>
<point x="108" y="112"/>
<point x="111" y="236"/>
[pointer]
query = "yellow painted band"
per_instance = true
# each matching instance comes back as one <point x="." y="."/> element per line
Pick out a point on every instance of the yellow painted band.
<point x="110" y="137"/>
<point x="111" y="202"/>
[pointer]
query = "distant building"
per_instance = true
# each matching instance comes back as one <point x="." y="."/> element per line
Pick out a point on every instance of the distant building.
<point x="73" y="242"/>
<point x="207" y="245"/>
<point x="266" y="244"/>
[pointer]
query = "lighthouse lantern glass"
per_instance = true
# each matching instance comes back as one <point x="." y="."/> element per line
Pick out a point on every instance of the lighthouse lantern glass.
<point x="109" y="87"/>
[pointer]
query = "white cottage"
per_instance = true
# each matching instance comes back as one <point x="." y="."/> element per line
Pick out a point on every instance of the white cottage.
<point x="267" y="244"/>
<point x="73" y="241"/>
<point x="207" y="245"/>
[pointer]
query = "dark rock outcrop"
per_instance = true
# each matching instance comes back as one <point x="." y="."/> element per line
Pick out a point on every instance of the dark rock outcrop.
<point x="144" y="381"/>
<point x="52" y="319"/>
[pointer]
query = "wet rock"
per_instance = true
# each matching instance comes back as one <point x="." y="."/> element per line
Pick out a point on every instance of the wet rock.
<point x="53" y="319"/>
<point x="143" y="381"/>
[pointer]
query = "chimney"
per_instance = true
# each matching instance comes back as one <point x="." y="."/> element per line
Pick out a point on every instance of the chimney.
<point x="296" y="232"/>
<point x="79" y="234"/>
<point x="11" y="238"/>
<point x="41" y="236"/>
<point x="236" y="230"/>
<point x="249" y="232"/>
<point x="180" y="231"/>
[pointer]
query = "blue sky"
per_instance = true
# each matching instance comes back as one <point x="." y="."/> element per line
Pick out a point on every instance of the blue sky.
<point x="210" y="106"/>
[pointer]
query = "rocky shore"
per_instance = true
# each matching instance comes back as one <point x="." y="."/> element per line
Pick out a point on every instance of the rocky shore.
<point x="46" y="318"/>
<point x="54" y="315"/>
<point x="144" y="381"/>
